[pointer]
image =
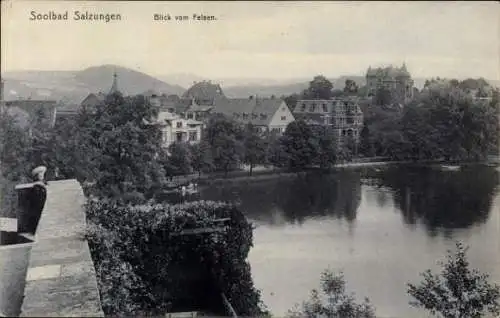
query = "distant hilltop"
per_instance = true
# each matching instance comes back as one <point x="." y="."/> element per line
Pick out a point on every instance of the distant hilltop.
<point x="72" y="87"/>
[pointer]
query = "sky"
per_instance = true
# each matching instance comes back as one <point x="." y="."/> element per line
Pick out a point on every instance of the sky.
<point x="278" y="40"/>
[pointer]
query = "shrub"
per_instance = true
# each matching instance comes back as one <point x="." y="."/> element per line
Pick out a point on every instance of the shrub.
<point x="143" y="269"/>
<point x="458" y="291"/>
<point x="333" y="302"/>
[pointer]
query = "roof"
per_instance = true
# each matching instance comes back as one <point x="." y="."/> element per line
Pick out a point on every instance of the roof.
<point x="114" y="86"/>
<point x="205" y="92"/>
<point x="259" y="111"/>
<point x="30" y="104"/>
<point x="311" y="118"/>
<point x="389" y="71"/>
<point x="200" y="108"/>
<point x="99" y="97"/>
<point x="24" y="109"/>
<point x="333" y="105"/>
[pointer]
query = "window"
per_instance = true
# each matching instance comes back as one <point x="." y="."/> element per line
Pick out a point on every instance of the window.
<point x="179" y="124"/>
<point x="190" y="115"/>
<point x="350" y="120"/>
<point x="178" y="137"/>
<point x="283" y="117"/>
<point x="325" y="109"/>
<point x="303" y="107"/>
<point x="193" y="136"/>
<point x="312" y="107"/>
<point x="245" y="116"/>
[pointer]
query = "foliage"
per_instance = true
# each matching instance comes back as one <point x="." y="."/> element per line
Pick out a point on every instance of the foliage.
<point x="14" y="142"/>
<point x="291" y="101"/>
<point x="142" y="269"/>
<point x="180" y="158"/>
<point x="202" y="160"/>
<point x="350" y="87"/>
<point x="446" y="122"/>
<point x="225" y="138"/>
<point x="327" y="147"/>
<point x="458" y="291"/>
<point x="319" y="88"/>
<point x="120" y="148"/>
<point x="300" y="145"/>
<point x="255" y="147"/>
<point x="383" y="97"/>
<point x="366" y="147"/>
<point x="333" y="301"/>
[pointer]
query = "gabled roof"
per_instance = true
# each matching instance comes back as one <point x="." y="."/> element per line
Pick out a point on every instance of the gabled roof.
<point x="267" y="107"/>
<point x="257" y="111"/>
<point x="99" y="97"/>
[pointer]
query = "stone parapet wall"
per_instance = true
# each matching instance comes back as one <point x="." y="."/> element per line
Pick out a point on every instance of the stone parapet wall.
<point x="61" y="278"/>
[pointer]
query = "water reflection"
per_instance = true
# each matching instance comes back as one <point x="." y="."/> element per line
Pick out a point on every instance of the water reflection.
<point x="442" y="200"/>
<point x="294" y="199"/>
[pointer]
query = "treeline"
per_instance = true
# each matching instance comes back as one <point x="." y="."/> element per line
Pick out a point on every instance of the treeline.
<point x="226" y="145"/>
<point x="118" y="149"/>
<point x="445" y="122"/>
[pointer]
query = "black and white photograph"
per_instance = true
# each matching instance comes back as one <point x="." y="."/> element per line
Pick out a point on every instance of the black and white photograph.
<point x="316" y="159"/>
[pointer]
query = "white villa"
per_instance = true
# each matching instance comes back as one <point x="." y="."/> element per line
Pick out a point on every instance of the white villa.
<point x="177" y="129"/>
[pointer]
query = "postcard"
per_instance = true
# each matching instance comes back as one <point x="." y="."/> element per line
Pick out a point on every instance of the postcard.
<point x="241" y="158"/>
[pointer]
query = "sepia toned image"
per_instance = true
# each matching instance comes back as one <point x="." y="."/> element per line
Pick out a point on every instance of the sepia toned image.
<point x="250" y="159"/>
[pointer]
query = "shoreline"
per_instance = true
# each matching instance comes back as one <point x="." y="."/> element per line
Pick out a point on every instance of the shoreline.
<point x="261" y="172"/>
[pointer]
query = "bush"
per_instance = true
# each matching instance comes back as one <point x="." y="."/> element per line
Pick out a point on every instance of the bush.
<point x="142" y="269"/>
<point x="334" y="302"/>
<point x="458" y="291"/>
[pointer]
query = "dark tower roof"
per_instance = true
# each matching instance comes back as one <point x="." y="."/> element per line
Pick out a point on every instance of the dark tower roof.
<point x="114" y="86"/>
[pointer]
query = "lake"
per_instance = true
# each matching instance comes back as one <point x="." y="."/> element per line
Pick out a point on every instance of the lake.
<point x="380" y="227"/>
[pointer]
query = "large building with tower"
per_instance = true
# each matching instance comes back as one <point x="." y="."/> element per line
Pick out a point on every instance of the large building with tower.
<point x="397" y="80"/>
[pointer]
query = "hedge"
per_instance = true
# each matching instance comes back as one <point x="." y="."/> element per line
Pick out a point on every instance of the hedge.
<point x="142" y="269"/>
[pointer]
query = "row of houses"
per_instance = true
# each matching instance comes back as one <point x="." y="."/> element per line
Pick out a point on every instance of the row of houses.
<point x="183" y="118"/>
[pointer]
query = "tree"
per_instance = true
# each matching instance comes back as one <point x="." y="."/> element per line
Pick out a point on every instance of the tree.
<point x="202" y="160"/>
<point x="365" y="145"/>
<point x="333" y="301"/>
<point x="446" y="122"/>
<point x="291" y="100"/>
<point x="327" y="147"/>
<point x="14" y="167"/>
<point x="300" y="145"/>
<point x="275" y="153"/>
<point x="383" y="97"/>
<point x="255" y="147"/>
<point x="225" y="138"/>
<point x="350" y="87"/>
<point x="123" y="143"/>
<point x="458" y="291"/>
<point x="180" y="158"/>
<point x="319" y="88"/>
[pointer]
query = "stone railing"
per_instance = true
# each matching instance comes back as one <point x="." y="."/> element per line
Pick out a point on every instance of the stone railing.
<point x="45" y="266"/>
